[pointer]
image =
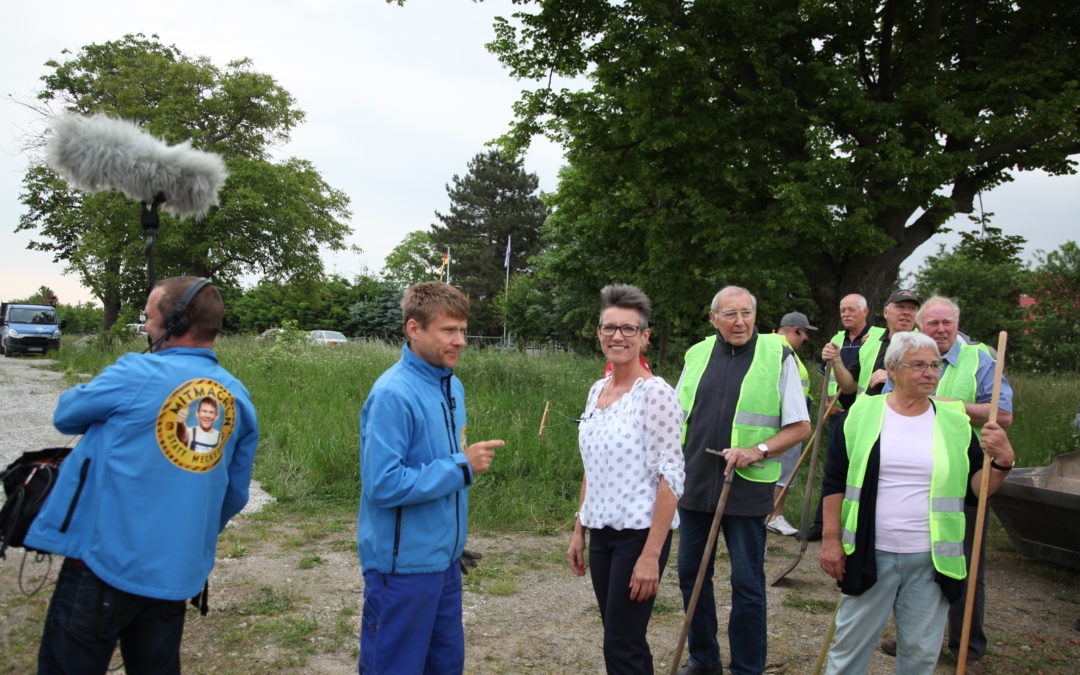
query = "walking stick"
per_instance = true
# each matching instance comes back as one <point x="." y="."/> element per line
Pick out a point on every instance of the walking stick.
<point x="805" y="452"/>
<point x="980" y="517"/>
<point x="709" y="543"/>
<point x="810" y="478"/>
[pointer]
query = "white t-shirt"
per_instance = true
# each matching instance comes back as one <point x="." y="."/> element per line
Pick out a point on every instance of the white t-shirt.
<point x="902" y="520"/>
<point x="626" y="449"/>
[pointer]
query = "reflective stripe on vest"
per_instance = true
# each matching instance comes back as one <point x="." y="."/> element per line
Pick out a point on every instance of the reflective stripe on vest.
<point x="868" y="353"/>
<point x="756" y="417"/>
<point x="948" y="480"/>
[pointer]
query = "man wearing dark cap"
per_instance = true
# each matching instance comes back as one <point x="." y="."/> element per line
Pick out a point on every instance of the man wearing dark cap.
<point x="899" y="316"/>
<point x="794" y="329"/>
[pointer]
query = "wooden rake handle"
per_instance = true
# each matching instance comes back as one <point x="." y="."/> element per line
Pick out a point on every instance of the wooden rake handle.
<point x="980" y="517"/>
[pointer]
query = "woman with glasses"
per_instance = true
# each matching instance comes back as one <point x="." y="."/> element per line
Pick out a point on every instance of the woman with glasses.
<point x="629" y="438"/>
<point x="895" y="485"/>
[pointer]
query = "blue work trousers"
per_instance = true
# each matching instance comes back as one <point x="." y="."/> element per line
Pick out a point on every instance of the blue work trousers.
<point x="412" y="623"/>
<point x="744" y="537"/>
<point x="87" y="617"/>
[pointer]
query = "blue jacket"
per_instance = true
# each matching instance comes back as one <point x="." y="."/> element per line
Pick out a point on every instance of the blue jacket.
<point x="132" y="501"/>
<point x="414" y="501"/>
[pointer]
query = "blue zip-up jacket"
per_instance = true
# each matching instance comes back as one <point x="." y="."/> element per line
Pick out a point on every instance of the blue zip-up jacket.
<point x="414" y="501"/>
<point x="132" y="501"/>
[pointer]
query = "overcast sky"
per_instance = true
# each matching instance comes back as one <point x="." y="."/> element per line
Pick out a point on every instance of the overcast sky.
<point x="398" y="99"/>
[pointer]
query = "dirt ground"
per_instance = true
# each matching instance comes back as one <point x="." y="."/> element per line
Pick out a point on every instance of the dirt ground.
<point x="287" y="591"/>
<point x="286" y="596"/>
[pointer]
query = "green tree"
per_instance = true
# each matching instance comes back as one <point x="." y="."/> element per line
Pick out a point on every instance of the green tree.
<point x="725" y="139"/>
<point x="495" y="200"/>
<point x="983" y="273"/>
<point x="1054" y="319"/>
<point x="414" y="260"/>
<point x="377" y="314"/>
<point x="273" y="217"/>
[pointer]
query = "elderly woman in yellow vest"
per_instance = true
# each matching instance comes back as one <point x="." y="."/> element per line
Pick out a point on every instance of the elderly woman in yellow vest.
<point x="895" y="485"/>
<point x="629" y="440"/>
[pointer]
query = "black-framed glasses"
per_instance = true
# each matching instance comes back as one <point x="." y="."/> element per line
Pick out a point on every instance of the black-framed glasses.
<point x="923" y="366"/>
<point x="627" y="330"/>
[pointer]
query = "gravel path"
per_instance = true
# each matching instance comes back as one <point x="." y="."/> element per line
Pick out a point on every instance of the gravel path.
<point x="30" y="395"/>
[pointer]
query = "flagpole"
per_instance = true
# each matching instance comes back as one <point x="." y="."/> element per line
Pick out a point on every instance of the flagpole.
<point x="506" y="287"/>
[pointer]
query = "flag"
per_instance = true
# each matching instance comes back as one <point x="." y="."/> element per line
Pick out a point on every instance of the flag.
<point x="506" y="262"/>
<point x="445" y="259"/>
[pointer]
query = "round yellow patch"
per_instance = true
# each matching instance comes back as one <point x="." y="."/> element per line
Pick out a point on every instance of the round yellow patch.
<point x="194" y="423"/>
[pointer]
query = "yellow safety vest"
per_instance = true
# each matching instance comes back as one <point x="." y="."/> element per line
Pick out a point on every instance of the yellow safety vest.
<point x="959" y="380"/>
<point x="804" y="375"/>
<point x="948" y="481"/>
<point x="868" y="353"/>
<point x="757" y="411"/>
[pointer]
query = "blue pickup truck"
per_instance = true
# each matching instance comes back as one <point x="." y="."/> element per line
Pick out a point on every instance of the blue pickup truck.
<point x="29" y="329"/>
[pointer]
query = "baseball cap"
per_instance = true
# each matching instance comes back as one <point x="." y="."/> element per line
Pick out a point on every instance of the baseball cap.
<point x="903" y="296"/>
<point x="797" y="319"/>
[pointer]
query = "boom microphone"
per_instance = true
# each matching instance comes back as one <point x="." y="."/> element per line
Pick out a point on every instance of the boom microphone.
<point x="101" y="153"/>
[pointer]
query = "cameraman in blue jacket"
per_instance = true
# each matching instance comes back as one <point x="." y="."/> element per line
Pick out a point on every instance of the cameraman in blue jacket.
<point x="415" y="470"/>
<point x="136" y="511"/>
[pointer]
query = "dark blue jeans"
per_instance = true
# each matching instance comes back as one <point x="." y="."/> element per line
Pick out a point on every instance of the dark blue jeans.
<point x="612" y="556"/>
<point x="744" y="537"/>
<point x="87" y="617"/>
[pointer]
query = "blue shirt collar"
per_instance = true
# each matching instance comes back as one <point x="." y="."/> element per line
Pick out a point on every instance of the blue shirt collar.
<point x="414" y="362"/>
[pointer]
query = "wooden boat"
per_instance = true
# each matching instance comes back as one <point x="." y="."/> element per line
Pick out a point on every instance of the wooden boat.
<point x="1040" y="510"/>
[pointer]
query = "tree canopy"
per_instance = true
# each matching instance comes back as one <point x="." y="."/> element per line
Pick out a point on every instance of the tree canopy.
<point x="727" y="141"/>
<point x="494" y="201"/>
<point x="273" y="217"/>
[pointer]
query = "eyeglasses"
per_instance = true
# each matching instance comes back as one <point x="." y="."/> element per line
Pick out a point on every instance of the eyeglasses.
<point x="923" y="366"/>
<point x="627" y="330"/>
<point x="730" y="314"/>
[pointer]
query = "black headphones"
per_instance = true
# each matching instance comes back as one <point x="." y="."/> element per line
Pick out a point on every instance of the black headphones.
<point x="177" y="322"/>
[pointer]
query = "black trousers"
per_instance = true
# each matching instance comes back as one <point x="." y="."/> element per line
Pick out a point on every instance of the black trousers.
<point x="612" y="556"/>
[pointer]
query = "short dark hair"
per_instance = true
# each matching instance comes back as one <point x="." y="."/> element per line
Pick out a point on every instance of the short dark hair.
<point x="205" y="312"/>
<point x="626" y="296"/>
<point x="424" y="302"/>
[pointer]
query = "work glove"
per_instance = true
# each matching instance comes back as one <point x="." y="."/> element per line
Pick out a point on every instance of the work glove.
<point x="469" y="560"/>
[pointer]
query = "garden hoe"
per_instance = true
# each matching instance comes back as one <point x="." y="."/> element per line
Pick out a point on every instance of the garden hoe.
<point x="811" y="478"/>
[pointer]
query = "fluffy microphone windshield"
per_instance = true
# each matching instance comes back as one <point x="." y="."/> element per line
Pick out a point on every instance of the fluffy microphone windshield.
<point x="101" y="153"/>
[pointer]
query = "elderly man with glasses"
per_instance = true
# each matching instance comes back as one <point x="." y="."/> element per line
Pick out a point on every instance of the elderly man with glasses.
<point x="742" y="398"/>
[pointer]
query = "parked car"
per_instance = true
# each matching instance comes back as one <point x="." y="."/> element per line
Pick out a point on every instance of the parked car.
<point x="137" y="328"/>
<point x="29" y="329"/>
<point x="327" y="337"/>
<point x="271" y="334"/>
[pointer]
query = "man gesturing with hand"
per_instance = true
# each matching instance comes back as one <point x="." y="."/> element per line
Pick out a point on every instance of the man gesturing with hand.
<point x="415" y="470"/>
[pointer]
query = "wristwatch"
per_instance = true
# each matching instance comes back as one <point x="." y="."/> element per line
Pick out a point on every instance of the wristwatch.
<point x="764" y="450"/>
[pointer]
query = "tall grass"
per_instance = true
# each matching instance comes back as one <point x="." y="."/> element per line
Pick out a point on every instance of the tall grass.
<point x="309" y="397"/>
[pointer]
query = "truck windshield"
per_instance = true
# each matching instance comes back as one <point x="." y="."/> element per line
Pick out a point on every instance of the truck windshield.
<point x="32" y="315"/>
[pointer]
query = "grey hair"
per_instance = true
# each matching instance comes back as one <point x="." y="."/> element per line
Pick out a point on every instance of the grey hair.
<point x="862" y="300"/>
<point x="937" y="300"/>
<point x="727" y="290"/>
<point x="905" y="342"/>
<point x="626" y="297"/>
